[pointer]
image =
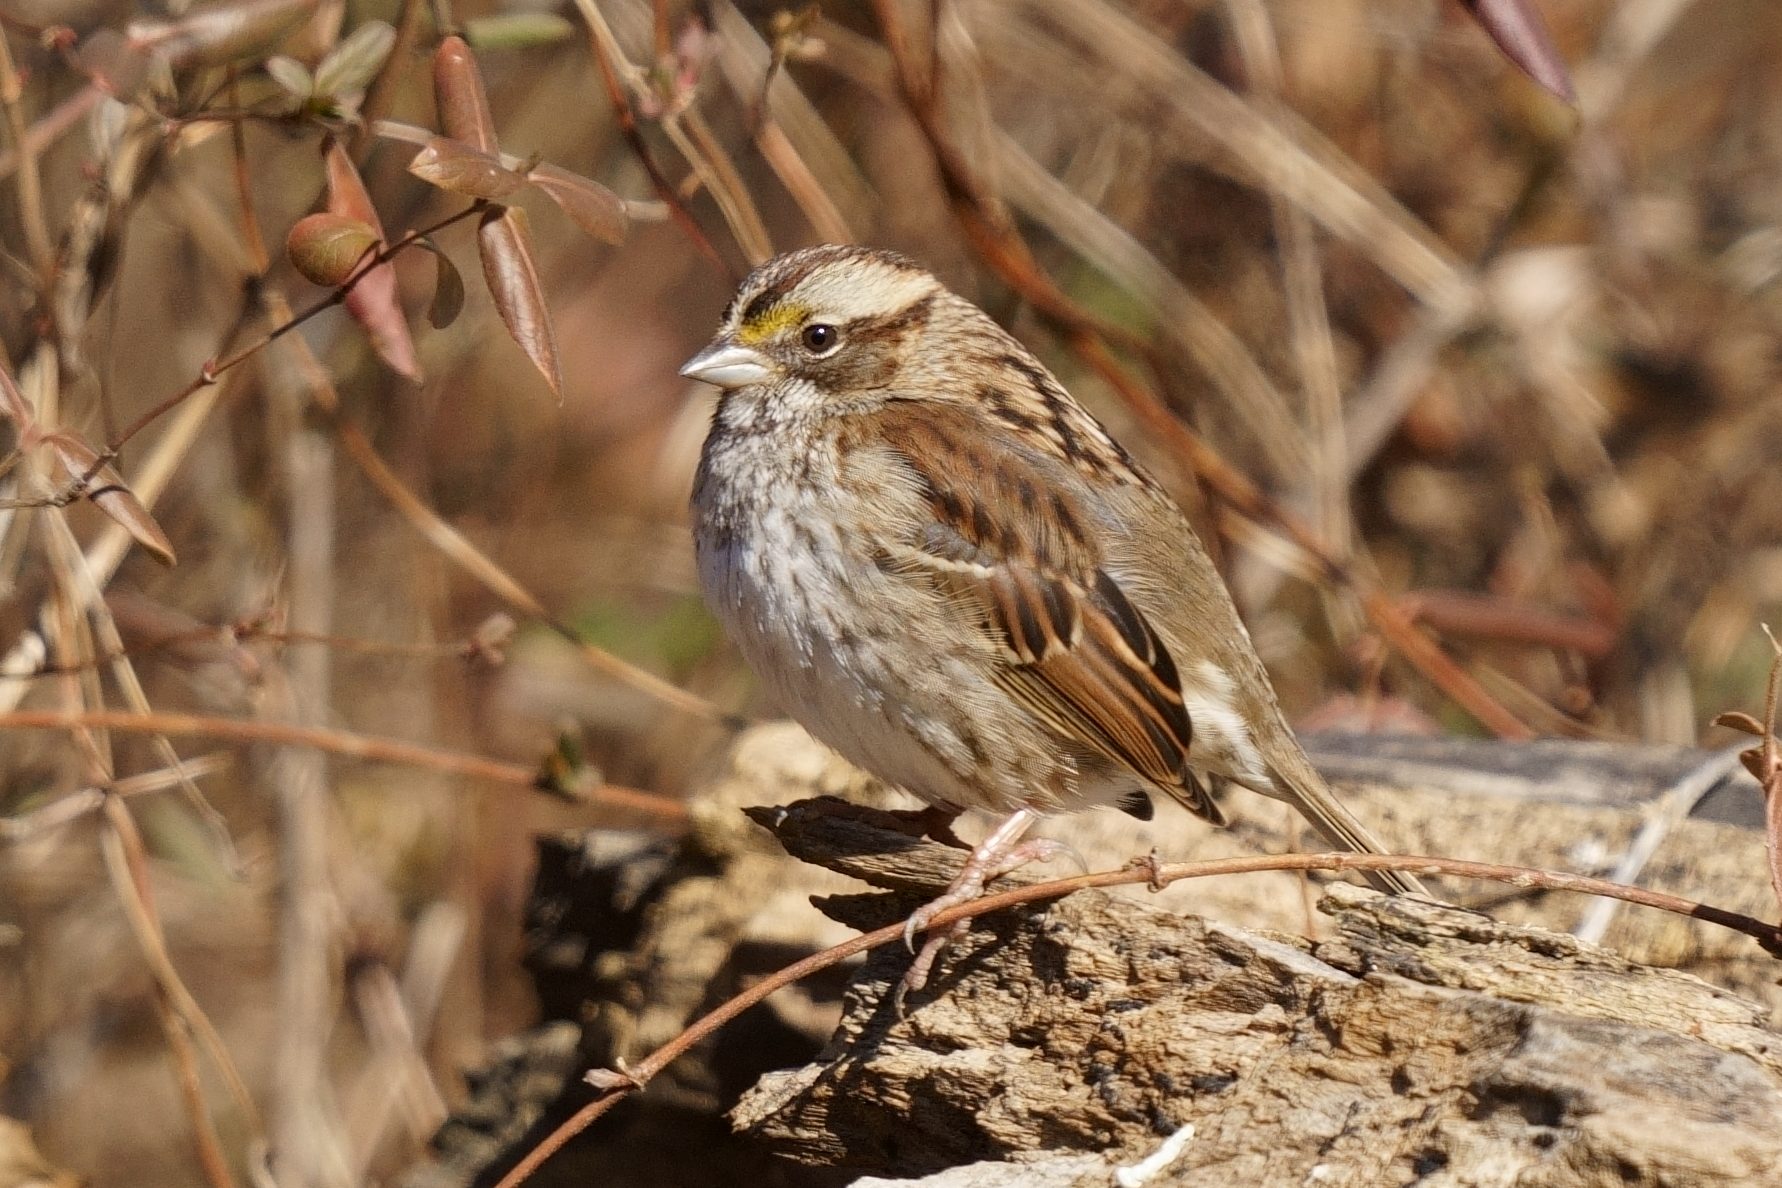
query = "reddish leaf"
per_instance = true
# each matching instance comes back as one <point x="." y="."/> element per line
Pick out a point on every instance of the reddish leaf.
<point x="327" y="247"/>
<point x="455" y="166"/>
<point x="220" y="33"/>
<point x="448" y="288"/>
<point x="1520" y="33"/>
<point x="105" y="487"/>
<point x="346" y="192"/>
<point x="512" y="276"/>
<point x="458" y="90"/>
<point x="593" y="207"/>
<point x="372" y="302"/>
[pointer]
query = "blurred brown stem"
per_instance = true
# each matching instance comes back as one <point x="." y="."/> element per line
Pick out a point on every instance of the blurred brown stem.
<point x="459" y="550"/>
<point x="607" y="57"/>
<point x="128" y="868"/>
<point x="1488" y="616"/>
<point x="337" y="742"/>
<point x="30" y="184"/>
<point x="39" y="136"/>
<point x="71" y="806"/>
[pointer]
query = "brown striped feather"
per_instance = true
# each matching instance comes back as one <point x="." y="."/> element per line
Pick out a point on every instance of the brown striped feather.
<point x="1007" y="541"/>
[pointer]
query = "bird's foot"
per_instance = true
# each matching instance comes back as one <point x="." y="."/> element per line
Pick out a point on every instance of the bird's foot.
<point x="999" y="854"/>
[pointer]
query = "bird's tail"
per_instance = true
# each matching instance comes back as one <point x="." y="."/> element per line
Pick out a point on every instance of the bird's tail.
<point x="1302" y="787"/>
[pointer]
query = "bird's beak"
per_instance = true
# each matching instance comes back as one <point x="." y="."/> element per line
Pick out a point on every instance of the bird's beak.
<point x="727" y="364"/>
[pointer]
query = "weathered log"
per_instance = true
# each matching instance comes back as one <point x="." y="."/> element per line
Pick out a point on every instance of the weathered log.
<point x="634" y="940"/>
<point x="1421" y="1044"/>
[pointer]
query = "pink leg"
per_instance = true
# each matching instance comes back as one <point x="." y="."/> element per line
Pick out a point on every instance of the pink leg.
<point x="1003" y="851"/>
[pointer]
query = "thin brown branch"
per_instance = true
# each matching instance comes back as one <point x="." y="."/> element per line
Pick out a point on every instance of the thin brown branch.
<point x="607" y="57"/>
<point x="128" y="867"/>
<point x="466" y="556"/>
<point x="48" y="129"/>
<point x="661" y="36"/>
<point x="1488" y="616"/>
<point x="337" y="742"/>
<point x="782" y="155"/>
<point x="617" y="1085"/>
<point x="231" y="634"/>
<point x="382" y="91"/>
<point x="244" y="191"/>
<point x="30" y="183"/>
<point x="215" y="368"/>
<point x="83" y="591"/>
<point x="690" y="133"/>
<point x="71" y="806"/>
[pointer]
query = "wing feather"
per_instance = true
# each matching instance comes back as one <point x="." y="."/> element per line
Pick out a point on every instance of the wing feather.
<point x="1006" y="541"/>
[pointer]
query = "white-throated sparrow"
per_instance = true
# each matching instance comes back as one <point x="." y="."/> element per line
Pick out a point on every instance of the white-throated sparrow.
<point x="949" y="572"/>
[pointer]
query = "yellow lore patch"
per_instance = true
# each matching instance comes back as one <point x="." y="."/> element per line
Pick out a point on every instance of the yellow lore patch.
<point x="763" y="327"/>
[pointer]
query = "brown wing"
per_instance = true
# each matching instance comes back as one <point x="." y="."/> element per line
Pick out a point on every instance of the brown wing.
<point x="1008" y="540"/>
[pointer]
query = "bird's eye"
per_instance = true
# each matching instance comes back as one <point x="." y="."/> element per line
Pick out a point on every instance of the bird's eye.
<point x="819" y="337"/>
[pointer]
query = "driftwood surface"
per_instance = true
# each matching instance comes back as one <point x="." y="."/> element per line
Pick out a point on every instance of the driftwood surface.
<point x="1404" y="1034"/>
<point x="1420" y="1044"/>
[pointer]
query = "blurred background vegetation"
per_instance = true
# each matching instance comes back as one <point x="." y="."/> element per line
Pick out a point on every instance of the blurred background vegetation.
<point x="1501" y="370"/>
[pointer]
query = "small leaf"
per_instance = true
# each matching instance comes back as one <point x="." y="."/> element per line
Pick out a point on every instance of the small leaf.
<point x="219" y="33"/>
<point x="590" y="205"/>
<point x="455" y="166"/>
<point x="351" y="65"/>
<point x="346" y="190"/>
<point x="458" y="90"/>
<point x="372" y="302"/>
<point x="518" y="30"/>
<point x="108" y="492"/>
<point x="1741" y="721"/>
<point x="448" y="288"/>
<point x="115" y="66"/>
<point x="490" y="641"/>
<point x="1520" y="33"/>
<point x="512" y="277"/>
<point x="292" y="76"/>
<point x="327" y="247"/>
<point x="606" y="1080"/>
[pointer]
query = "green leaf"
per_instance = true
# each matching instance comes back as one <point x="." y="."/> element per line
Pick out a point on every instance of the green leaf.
<point x="517" y="30"/>
<point x="351" y="65"/>
<point x="292" y="76"/>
